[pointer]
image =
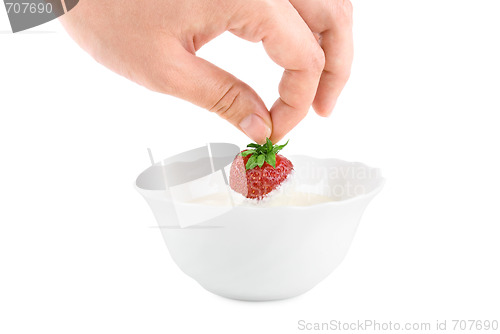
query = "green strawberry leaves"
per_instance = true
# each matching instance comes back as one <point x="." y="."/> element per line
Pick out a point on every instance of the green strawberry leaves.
<point x="262" y="154"/>
<point x="252" y="162"/>
<point x="247" y="152"/>
<point x="261" y="159"/>
<point x="271" y="159"/>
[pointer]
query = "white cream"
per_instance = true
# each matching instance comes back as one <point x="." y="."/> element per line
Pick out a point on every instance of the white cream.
<point x="277" y="198"/>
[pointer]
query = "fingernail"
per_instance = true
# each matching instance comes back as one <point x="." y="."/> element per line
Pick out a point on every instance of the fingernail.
<point x="255" y="128"/>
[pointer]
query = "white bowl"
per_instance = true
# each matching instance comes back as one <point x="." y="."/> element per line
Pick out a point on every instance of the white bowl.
<point x="263" y="252"/>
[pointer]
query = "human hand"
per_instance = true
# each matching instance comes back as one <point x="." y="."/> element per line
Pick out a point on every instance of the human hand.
<point x="154" y="42"/>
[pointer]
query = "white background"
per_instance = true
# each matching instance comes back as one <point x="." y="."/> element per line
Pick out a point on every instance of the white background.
<point x="79" y="251"/>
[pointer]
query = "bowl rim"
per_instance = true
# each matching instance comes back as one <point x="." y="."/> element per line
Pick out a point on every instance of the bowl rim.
<point x="332" y="203"/>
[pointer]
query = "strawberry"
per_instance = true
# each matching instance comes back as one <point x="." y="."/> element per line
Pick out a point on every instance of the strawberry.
<point x="257" y="171"/>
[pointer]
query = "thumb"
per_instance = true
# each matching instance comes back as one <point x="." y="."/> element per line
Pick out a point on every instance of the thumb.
<point x="196" y="80"/>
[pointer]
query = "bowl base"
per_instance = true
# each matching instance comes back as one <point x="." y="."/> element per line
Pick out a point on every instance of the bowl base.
<point x="254" y="297"/>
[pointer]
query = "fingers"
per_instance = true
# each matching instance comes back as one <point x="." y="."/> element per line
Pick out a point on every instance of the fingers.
<point x="204" y="84"/>
<point x="315" y="73"/>
<point x="337" y="43"/>
<point x="291" y="44"/>
<point x="331" y="22"/>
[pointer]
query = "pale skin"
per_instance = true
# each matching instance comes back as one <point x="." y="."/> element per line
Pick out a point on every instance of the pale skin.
<point x="154" y="43"/>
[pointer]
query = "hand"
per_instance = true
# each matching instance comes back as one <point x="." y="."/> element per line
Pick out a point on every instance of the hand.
<point x="153" y="42"/>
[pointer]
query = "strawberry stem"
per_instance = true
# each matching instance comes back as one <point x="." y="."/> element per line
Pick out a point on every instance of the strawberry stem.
<point x="262" y="153"/>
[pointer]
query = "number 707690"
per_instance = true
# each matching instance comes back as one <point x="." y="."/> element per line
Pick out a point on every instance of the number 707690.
<point x="28" y="8"/>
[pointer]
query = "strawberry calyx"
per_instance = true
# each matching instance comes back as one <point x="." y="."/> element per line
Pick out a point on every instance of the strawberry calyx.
<point x="262" y="154"/>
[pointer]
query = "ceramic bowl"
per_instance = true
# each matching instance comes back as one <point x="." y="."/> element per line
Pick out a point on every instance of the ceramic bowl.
<point x="258" y="252"/>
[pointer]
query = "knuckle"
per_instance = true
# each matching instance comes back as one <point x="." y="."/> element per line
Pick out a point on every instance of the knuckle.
<point x="226" y="104"/>
<point x="269" y="6"/>
<point x="267" y="11"/>
<point x="254" y="19"/>
<point x="317" y="60"/>
<point x="347" y="7"/>
<point x="343" y="10"/>
<point x="340" y="11"/>
<point x="340" y="71"/>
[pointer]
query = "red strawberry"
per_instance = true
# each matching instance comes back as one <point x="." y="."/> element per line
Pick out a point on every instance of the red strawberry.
<point x="257" y="171"/>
